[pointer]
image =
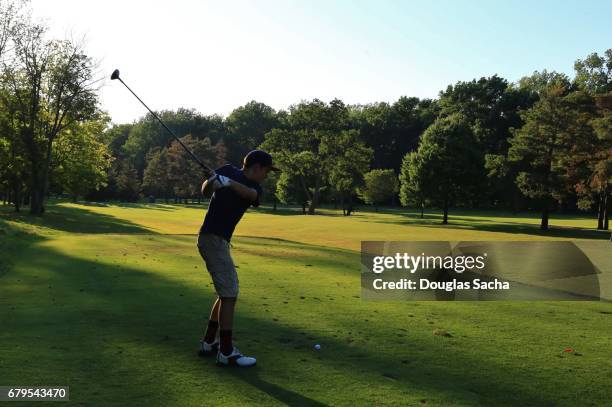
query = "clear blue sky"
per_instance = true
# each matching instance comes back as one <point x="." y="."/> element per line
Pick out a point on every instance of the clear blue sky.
<point x="215" y="56"/>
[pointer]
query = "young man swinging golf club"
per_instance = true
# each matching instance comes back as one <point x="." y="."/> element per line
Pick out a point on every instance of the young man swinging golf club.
<point x="233" y="190"/>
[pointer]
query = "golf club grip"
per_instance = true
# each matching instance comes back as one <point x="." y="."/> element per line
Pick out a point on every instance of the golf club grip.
<point x="207" y="170"/>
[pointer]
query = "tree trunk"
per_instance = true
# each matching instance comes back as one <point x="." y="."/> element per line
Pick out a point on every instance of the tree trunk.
<point x="40" y="177"/>
<point x="314" y="202"/>
<point x="16" y="197"/>
<point x="349" y="206"/>
<point x="274" y="204"/>
<point x="306" y="192"/>
<point x="515" y="203"/>
<point x="422" y="210"/>
<point x="544" y="223"/>
<point x="36" y="199"/>
<point x="607" y="204"/>
<point x="445" y="218"/>
<point x="600" y="212"/>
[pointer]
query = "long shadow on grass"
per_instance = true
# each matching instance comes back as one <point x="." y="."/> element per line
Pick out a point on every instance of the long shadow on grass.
<point x="297" y="211"/>
<point x="91" y="300"/>
<point x="470" y="214"/>
<point x="153" y="206"/>
<point x="568" y="232"/>
<point x="74" y="220"/>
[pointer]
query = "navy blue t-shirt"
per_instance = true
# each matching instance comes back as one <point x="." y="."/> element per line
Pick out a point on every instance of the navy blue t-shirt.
<point x="226" y="207"/>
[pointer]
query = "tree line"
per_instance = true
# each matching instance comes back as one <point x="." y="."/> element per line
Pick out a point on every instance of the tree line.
<point x="542" y="142"/>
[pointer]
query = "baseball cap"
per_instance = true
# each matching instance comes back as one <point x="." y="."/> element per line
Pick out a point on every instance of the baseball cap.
<point x="259" y="157"/>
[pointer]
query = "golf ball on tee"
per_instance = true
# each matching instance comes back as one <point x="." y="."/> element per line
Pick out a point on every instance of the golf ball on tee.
<point x="317" y="346"/>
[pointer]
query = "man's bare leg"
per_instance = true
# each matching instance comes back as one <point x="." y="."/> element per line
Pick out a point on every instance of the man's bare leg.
<point x="213" y="322"/>
<point x="226" y="320"/>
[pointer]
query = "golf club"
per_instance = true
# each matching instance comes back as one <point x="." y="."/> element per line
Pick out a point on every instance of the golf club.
<point x="207" y="170"/>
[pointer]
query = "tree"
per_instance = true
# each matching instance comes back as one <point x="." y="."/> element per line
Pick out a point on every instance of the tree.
<point x="54" y="87"/>
<point x="380" y="186"/>
<point x="13" y="15"/>
<point x="594" y="73"/>
<point x="411" y="191"/>
<point x="351" y="159"/>
<point x="540" y="146"/>
<point x="81" y="160"/>
<point x="303" y="149"/>
<point x="156" y="180"/>
<point x="184" y="174"/>
<point x="13" y="163"/>
<point x="541" y="83"/>
<point x="491" y="107"/>
<point x="247" y="126"/>
<point x="13" y="166"/>
<point x="113" y="137"/>
<point x="289" y="190"/>
<point x="501" y="176"/>
<point x="601" y="165"/>
<point x="448" y="164"/>
<point x="594" y="76"/>
<point x="126" y="181"/>
<point x="392" y="130"/>
<point x="297" y="152"/>
<point x="269" y="188"/>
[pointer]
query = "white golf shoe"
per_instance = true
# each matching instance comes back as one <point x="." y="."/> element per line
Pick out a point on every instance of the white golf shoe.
<point x="235" y="358"/>
<point x="208" y="349"/>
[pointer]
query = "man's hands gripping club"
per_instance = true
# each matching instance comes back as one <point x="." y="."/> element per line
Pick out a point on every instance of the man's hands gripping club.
<point x="217" y="181"/>
<point x="214" y="182"/>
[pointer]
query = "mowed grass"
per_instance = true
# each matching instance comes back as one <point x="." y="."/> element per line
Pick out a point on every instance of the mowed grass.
<point x="110" y="300"/>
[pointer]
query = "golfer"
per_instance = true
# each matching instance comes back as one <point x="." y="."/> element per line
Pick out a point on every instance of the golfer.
<point x="233" y="191"/>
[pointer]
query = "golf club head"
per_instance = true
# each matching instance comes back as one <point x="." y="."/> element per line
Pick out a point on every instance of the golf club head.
<point x="115" y="74"/>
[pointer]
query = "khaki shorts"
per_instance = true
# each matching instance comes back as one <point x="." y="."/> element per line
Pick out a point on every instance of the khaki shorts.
<point x="216" y="253"/>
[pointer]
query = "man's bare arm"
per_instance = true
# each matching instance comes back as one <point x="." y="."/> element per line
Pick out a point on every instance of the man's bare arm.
<point x="243" y="191"/>
<point x="207" y="188"/>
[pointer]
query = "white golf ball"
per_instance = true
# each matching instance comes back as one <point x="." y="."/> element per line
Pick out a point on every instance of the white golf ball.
<point x="317" y="346"/>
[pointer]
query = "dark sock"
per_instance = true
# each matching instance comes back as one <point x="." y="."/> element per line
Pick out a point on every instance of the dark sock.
<point x="211" y="331"/>
<point x="226" y="347"/>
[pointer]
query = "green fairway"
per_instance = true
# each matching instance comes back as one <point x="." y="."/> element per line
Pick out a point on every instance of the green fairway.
<point x="110" y="300"/>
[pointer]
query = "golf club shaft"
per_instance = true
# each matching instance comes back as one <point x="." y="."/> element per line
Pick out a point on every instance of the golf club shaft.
<point x="207" y="170"/>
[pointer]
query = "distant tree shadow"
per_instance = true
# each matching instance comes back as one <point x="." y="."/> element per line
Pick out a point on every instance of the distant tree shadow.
<point x="568" y="232"/>
<point x="141" y="205"/>
<point x="74" y="220"/>
<point x="297" y="211"/>
<point x="498" y="226"/>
